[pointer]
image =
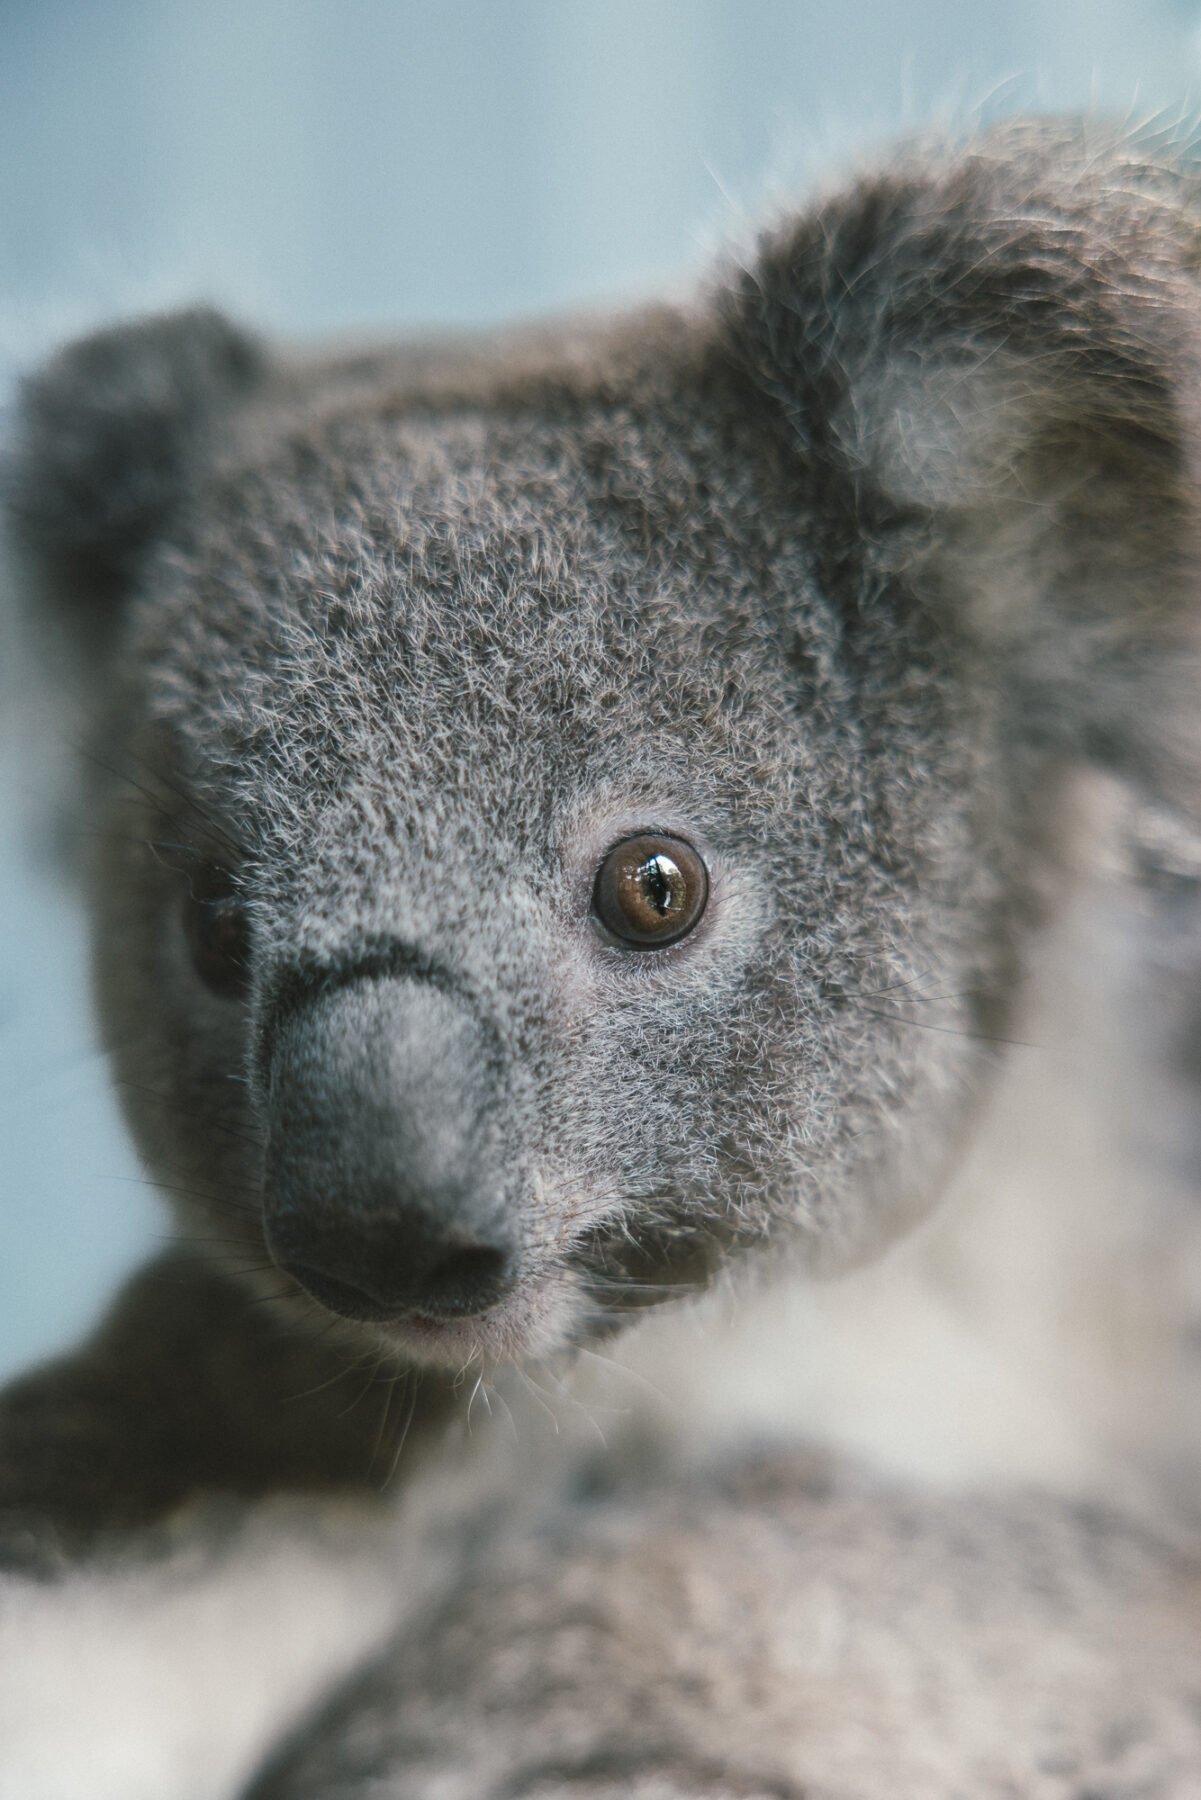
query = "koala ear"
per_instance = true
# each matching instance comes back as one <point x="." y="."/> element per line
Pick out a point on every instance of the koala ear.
<point x="993" y="361"/>
<point x="109" y="437"/>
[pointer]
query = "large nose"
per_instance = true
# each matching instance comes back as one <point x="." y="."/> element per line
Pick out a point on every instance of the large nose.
<point x="379" y="1199"/>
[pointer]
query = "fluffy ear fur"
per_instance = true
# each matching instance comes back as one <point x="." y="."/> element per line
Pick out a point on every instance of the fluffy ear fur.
<point x="109" y="436"/>
<point x="993" y="362"/>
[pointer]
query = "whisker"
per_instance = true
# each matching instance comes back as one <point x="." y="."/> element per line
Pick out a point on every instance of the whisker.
<point x="635" y="1375"/>
<point x="975" y="1037"/>
<point x="404" y="1432"/>
<point x="190" y="801"/>
<point x="169" y="1101"/>
<point x="350" y="1368"/>
<point x="367" y="1386"/>
<point x="479" y="1385"/>
<point x="539" y="1396"/>
<point x="473" y="1355"/>
<point x="508" y="1412"/>
<point x="383" y="1421"/>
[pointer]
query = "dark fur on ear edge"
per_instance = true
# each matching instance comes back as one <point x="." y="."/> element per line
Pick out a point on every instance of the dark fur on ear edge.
<point x="107" y="438"/>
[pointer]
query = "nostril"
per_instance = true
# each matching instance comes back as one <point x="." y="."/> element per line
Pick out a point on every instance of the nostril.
<point x="345" y="1297"/>
<point x="384" y="1278"/>
<point x="466" y="1281"/>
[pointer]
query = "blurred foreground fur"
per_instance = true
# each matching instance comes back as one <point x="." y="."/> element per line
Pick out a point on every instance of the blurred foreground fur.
<point x="839" y="576"/>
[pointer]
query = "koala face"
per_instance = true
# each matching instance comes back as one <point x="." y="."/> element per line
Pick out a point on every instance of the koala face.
<point x="566" y="809"/>
<point x="432" y="712"/>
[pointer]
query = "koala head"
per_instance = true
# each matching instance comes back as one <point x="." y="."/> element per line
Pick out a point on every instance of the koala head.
<point x="567" y="807"/>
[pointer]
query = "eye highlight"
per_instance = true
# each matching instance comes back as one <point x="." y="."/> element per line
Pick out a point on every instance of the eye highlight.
<point x="650" y="891"/>
<point x="217" y="931"/>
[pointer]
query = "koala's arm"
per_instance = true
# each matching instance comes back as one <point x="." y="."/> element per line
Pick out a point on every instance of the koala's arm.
<point x="198" y="1536"/>
<point x="793" y="1627"/>
<point x="189" y="1390"/>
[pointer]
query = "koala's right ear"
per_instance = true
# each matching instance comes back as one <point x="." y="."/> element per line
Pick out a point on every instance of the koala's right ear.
<point x="992" y="358"/>
<point x="109" y="437"/>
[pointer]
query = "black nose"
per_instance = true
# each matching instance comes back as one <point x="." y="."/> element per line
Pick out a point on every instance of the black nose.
<point x="380" y="1196"/>
<point x="403" y="1272"/>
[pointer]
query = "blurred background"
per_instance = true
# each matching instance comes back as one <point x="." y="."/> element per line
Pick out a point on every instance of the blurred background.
<point x="320" y="166"/>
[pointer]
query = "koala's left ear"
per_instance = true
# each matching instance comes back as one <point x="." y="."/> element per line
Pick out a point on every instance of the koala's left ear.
<point x="109" y="437"/>
<point x="992" y="359"/>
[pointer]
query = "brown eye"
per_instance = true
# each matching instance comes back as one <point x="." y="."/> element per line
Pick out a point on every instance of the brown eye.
<point x="217" y="932"/>
<point x="650" y="891"/>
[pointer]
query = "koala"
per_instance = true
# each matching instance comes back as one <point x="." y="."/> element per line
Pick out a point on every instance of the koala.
<point x="568" y="814"/>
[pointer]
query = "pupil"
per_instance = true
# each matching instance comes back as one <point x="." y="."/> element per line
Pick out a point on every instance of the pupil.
<point x="661" y="883"/>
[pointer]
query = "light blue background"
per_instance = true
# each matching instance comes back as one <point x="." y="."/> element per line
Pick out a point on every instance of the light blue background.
<point x="321" y="165"/>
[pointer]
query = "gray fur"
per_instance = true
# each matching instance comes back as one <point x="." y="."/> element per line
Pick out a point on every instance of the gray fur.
<point x="828" y="573"/>
<point x="787" y="1630"/>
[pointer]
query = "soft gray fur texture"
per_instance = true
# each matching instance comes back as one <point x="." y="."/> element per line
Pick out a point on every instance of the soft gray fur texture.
<point x="788" y="1631"/>
<point x="830" y="573"/>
